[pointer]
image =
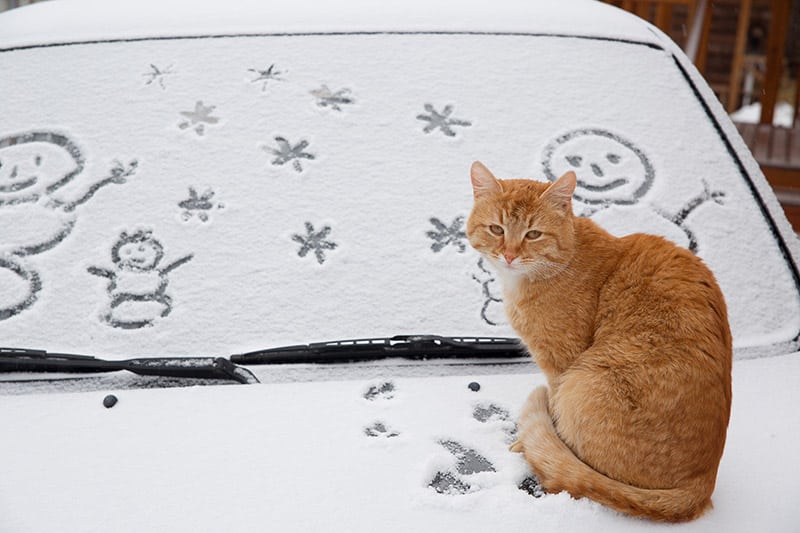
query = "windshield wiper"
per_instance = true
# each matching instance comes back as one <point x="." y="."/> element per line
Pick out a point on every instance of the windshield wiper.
<point x="23" y="360"/>
<point x="415" y="347"/>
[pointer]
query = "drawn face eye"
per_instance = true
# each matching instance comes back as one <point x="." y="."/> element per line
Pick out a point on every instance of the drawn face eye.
<point x="533" y="234"/>
<point x="497" y="230"/>
<point x="38" y="160"/>
<point x="574" y="160"/>
<point x="613" y="158"/>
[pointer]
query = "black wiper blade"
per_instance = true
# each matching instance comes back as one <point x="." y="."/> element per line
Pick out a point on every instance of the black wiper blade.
<point x="24" y="360"/>
<point x="415" y="347"/>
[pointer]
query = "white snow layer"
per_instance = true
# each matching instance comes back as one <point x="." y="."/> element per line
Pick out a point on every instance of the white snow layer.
<point x="297" y="457"/>
<point x="228" y="194"/>
<point x="221" y="195"/>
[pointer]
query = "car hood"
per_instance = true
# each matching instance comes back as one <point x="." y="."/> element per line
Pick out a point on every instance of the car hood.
<point x="356" y="455"/>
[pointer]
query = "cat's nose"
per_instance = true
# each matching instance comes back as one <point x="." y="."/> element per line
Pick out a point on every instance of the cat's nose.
<point x="509" y="257"/>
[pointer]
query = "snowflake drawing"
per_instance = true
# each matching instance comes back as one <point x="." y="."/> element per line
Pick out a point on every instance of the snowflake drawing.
<point x="441" y="121"/>
<point x="327" y="98"/>
<point x="157" y="74"/>
<point x="286" y="153"/>
<point x="314" y="241"/>
<point x="198" y="204"/>
<point x="270" y="74"/>
<point x="445" y="235"/>
<point x="198" y="118"/>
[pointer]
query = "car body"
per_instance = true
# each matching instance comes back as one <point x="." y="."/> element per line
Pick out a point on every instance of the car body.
<point x="204" y="180"/>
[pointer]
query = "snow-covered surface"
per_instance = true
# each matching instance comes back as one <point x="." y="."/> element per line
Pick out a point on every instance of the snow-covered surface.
<point x="297" y="457"/>
<point x="751" y="114"/>
<point x="308" y="181"/>
<point x="99" y="19"/>
<point x="274" y="187"/>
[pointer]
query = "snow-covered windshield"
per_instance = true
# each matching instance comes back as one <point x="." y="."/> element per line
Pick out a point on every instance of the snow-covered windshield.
<point x="227" y="194"/>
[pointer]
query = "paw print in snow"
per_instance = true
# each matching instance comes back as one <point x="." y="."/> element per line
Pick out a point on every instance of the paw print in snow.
<point x="448" y="483"/>
<point x="532" y="486"/>
<point x="379" y="429"/>
<point x="384" y="391"/>
<point x="491" y="413"/>
<point x="468" y="461"/>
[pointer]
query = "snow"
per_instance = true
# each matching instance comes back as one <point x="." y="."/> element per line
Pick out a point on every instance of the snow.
<point x="57" y="22"/>
<point x="295" y="457"/>
<point x="301" y="177"/>
<point x="270" y="219"/>
<point x="751" y="114"/>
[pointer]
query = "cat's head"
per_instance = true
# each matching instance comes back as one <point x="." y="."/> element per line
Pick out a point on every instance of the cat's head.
<point x="523" y="227"/>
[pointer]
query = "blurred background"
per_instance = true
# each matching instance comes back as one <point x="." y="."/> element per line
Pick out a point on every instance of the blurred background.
<point x="749" y="52"/>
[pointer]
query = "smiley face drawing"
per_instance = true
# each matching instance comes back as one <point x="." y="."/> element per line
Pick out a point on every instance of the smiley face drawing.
<point x="36" y="214"/>
<point x="610" y="169"/>
<point x="614" y="174"/>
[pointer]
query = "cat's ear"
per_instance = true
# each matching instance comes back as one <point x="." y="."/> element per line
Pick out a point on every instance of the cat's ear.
<point x="559" y="194"/>
<point x="483" y="181"/>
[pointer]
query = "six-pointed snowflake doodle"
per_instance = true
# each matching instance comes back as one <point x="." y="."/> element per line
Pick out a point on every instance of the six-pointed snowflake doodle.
<point x="266" y="75"/>
<point x="198" y="204"/>
<point x="199" y="117"/>
<point x="314" y="241"/>
<point x="441" y="121"/>
<point x="445" y="235"/>
<point x="157" y="74"/>
<point x="327" y="98"/>
<point x="286" y="152"/>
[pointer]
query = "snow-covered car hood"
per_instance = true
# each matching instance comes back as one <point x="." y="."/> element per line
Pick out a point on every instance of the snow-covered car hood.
<point x="177" y="179"/>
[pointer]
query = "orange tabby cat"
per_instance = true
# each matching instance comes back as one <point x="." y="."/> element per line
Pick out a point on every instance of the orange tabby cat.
<point x="633" y="337"/>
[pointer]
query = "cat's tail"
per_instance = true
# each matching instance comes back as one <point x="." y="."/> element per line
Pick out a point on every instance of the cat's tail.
<point x="558" y="468"/>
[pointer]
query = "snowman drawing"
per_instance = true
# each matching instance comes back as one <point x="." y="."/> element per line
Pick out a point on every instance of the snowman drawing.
<point x="613" y="174"/>
<point x="492" y="311"/>
<point x="137" y="285"/>
<point x="38" y="207"/>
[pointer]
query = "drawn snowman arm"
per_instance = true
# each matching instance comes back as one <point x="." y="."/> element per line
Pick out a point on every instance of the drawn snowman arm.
<point x="102" y="272"/>
<point x="119" y="173"/>
<point x="175" y="264"/>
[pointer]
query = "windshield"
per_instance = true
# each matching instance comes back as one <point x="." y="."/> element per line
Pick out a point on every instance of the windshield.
<point x="225" y="195"/>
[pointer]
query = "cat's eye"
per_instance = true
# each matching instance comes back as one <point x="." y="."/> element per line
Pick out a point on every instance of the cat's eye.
<point x="497" y="230"/>
<point x="533" y="234"/>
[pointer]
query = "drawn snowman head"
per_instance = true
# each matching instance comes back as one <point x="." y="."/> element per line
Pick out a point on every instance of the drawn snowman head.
<point x="36" y="164"/>
<point x="610" y="169"/>
<point x="137" y="252"/>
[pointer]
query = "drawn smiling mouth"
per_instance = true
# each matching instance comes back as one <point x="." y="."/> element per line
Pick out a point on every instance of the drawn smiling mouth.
<point x="19" y="185"/>
<point x="600" y="188"/>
